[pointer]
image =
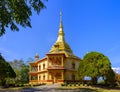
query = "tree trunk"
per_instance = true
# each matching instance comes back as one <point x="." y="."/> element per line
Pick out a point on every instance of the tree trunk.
<point x="94" y="80"/>
<point x="3" y="82"/>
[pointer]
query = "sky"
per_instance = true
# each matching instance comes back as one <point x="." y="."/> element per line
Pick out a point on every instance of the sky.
<point x="89" y="25"/>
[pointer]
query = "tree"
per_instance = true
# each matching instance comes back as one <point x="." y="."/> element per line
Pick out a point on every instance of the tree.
<point x="110" y="78"/>
<point x="6" y="70"/>
<point x="117" y="78"/>
<point x="22" y="71"/>
<point x="24" y="74"/>
<point x="17" y="12"/>
<point x="95" y="65"/>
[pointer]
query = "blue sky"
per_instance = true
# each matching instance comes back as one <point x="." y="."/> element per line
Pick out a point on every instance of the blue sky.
<point x="89" y="25"/>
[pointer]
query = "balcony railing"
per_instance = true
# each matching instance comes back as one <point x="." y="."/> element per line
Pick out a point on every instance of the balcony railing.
<point x="34" y="69"/>
<point x="55" y="67"/>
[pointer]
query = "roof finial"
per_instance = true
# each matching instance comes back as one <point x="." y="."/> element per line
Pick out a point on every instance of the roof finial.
<point x="36" y="56"/>
<point x="60" y="15"/>
<point x="61" y="19"/>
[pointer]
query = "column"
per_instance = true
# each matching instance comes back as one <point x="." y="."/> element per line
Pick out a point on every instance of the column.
<point x="38" y="67"/>
<point x="38" y="77"/>
<point x="30" y="68"/>
<point x="47" y="75"/>
<point x="62" y="75"/>
<point x="62" y="62"/>
<point x="29" y="78"/>
<point x="47" y="61"/>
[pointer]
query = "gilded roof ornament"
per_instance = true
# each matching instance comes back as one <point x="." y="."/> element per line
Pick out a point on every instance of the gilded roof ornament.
<point x="60" y="45"/>
<point x="61" y="26"/>
<point x="60" y="15"/>
<point x="37" y="56"/>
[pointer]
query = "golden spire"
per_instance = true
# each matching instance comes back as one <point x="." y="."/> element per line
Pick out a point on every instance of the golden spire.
<point x="61" y="19"/>
<point x="61" y="32"/>
<point x="36" y="56"/>
<point x="60" y="44"/>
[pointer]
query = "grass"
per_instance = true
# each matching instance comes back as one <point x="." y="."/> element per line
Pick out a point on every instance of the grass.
<point x="88" y="89"/>
<point x="20" y="86"/>
<point x="13" y="88"/>
<point x="76" y="88"/>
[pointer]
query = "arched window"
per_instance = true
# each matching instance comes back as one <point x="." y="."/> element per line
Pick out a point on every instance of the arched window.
<point x="34" y="77"/>
<point x="31" y="77"/>
<point x="43" y="66"/>
<point x="39" y="67"/>
<point x="73" y="77"/>
<point x="73" y="65"/>
<point x="39" y="77"/>
<point x="44" y="77"/>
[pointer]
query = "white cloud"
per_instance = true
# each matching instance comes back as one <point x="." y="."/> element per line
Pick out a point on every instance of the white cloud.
<point x="3" y="50"/>
<point x="116" y="69"/>
<point x="8" y="55"/>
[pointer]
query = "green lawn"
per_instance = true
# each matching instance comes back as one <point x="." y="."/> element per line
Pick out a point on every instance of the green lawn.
<point x="89" y="89"/>
<point x="12" y="88"/>
<point x="76" y="88"/>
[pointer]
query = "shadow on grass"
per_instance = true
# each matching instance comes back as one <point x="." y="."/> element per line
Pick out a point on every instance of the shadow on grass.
<point x="87" y="90"/>
<point x="79" y="90"/>
<point x="104" y="87"/>
<point x="52" y="89"/>
<point x="58" y="90"/>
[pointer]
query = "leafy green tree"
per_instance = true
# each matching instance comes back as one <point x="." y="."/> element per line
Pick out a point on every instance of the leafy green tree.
<point x="6" y="70"/>
<point x="110" y="78"/>
<point x="24" y="74"/>
<point x="95" y="65"/>
<point x="22" y="71"/>
<point x="17" y="64"/>
<point x="117" y="78"/>
<point x="17" y="12"/>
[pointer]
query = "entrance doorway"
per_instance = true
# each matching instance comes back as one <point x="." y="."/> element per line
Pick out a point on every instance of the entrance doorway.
<point x="56" y="77"/>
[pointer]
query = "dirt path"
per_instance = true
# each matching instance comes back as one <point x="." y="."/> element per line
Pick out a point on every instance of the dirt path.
<point x="46" y="88"/>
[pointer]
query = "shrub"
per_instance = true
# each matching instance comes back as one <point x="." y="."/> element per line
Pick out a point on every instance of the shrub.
<point x="17" y="85"/>
<point x="63" y="84"/>
<point x="70" y="84"/>
<point x="74" y="84"/>
<point x="20" y="85"/>
<point x="78" y="84"/>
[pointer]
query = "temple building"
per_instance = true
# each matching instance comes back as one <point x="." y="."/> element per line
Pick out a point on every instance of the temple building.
<point x="59" y="64"/>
